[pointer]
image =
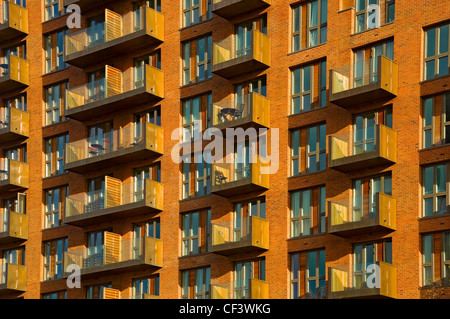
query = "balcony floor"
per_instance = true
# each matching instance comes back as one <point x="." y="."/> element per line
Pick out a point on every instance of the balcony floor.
<point x="372" y="293"/>
<point x="7" y="136"/>
<point x="107" y="214"/>
<point x="116" y="47"/>
<point x="357" y="228"/>
<point x="360" y="161"/>
<point x="360" y="95"/>
<point x="233" y="248"/>
<point x="238" y="66"/>
<point x="236" y="188"/>
<point x="86" y="5"/>
<point x="8" y="85"/>
<point x="231" y="8"/>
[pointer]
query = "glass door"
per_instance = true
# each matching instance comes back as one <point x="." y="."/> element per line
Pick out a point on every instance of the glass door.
<point x="364" y="255"/>
<point x="95" y="249"/>
<point x="96" y="194"/>
<point x="96" y="30"/>
<point x="96" y="86"/>
<point x="100" y="140"/>
<point x="243" y="274"/>
<point x="364" y="133"/>
<point x="242" y="162"/>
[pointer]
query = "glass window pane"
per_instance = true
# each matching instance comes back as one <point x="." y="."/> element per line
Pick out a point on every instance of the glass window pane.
<point x="428" y="180"/>
<point x="443" y="39"/>
<point x="431" y="43"/>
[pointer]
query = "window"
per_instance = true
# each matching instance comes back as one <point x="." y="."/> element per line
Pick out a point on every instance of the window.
<point x="196" y="116"/>
<point x="14" y="256"/>
<point x="366" y="62"/>
<point x="146" y="286"/>
<point x="244" y="272"/>
<point x="436" y="51"/>
<point x="242" y="213"/>
<point x="362" y="13"/>
<point x="308" y="93"/>
<point x="138" y="11"/>
<point x="153" y="60"/>
<point x="18" y="153"/>
<point x="446" y="256"/>
<point x="148" y="229"/>
<point x="152" y="172"/>
<point x="195" y="283"/>
<point x="197" y="175"/>
<point x="308" y="212"/>
<point x="195" y="11"/>
<point x="308" y="150"/>
<point x="309" y="24"/>
<point x="435" y="180"/>
<point x="55" y="295"/>
<point x="197" y="60"/>
<point x="436" y="120"/>
<point x="15" y="204"/>
<point x="152" y="116"/>
<point x="100" y="139"/>
<point x="19" y="102"/>
<point x="390" y="10"/>
<point x="54" y="154"/>
<point x="53" y="9"/>
<point x="311" y="266"/>
<point x="427" y="259"/>
<point x="97" y="291"/>
<point x="54" y="258"/>
<point x="365" y="192"/>
<point x="54" y="51"/>
<point x="55" y="102"/>
<point x="366" y="254"/>
<point x="195" y="232"/>
<point x="54" y="203"/>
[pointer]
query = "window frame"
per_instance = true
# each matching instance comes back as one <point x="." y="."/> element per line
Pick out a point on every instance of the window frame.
<point x="437" y="55"/>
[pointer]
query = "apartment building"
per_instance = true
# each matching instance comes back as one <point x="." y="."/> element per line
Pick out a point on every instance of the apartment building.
<point x="357" y="100"/>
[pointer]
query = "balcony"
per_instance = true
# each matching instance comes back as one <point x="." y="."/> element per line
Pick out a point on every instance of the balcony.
<point x="116" y="36"/>
<point x="114" y="92"/>
<point x="252" y="110"/>
<point x="116" y="256"/>
<point x="117" y="200"/>
<point x="231" y="8"/>
<point x="14" y="74"/>
<point x="14" y="175"/>
<point x="365" y="85"/>
<point x="111" y="293"/>
<point x="13" y="21"/>
<point x="249" y="234"/>
<point x="251" y="289"/>
<point x="13" y="227"/>
<point x="356" y="216"/>
<point x="14" y="124"/>
<point x="114" y="148"/>
<point x="357" y="150"/>
<point x="346" y="282"/>
<point x="229" y="61"/>
<point x="13" y="278"/>
<point x="87" y="5"/>
<point x="230" y="179"/>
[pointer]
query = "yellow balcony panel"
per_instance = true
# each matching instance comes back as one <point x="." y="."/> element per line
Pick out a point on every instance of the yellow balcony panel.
<point x="232" y="8"/>
<point x="13" y="278"/>
<point x="14" y="124"/>
<point x="229" y="179"/>
<point x="252" y="110"/>
<point x="349" y="152"/>
<point x="345" y="283"/>
<point x="114" y="148"/>
<point x="115" y="92"/>
<point x="87" y="5"/>
<point x="120" y="34"/>
<point x="256" y="289"/>
<point x="13" y="227"/>
<point x="117" y="200"/>
<point x="116" y="256"/>
<point x="14" y="74"/>
<point x="14" y="175"/>
<point x="230" y="61"/>
<point x="13" y="22"/>
<point x="252" y="235"/>
<point x="350" y="87"/>
<point x="366" y="214"/>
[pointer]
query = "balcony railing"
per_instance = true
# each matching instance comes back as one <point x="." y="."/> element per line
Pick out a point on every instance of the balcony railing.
<point x="355" y="216"/>
<point x="115" y="147"/>
<point x="14" y="74"/>
<point x="117" y="35"/>
<point x="230" y="60"/>
<point x="14" y="124"/>
<point x="231" y="8"/>
<point x="116" y="255"/>
<point x="115" y="201"/>
<point x="13" y="278"/>
<point x="14" y="175"/>
<point x="352" y="281"/>
<point x="367" y="81"/>
<point x="246" y="289"/>
<point x="13" y="227"/>
<point x="252" y="110"/>
<point x="236" y="178"/>
<point x="132" y="87"/>
<point x="243" y="235"/>
<point x="363" y="148"/>
<point x="13" y="21"/>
